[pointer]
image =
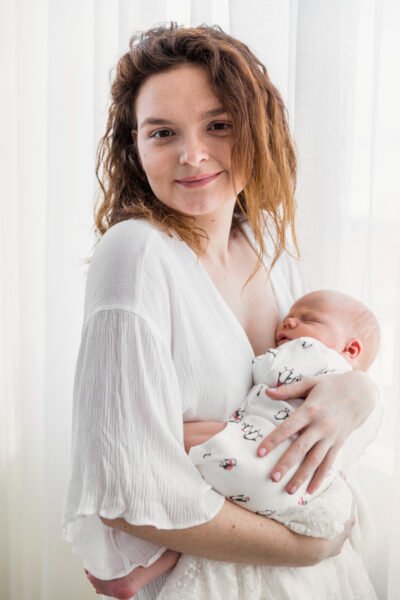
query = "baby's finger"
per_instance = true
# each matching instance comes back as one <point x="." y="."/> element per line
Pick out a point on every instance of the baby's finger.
<point x="308" y="467"/>
<point x="290" y="427"/>
<point x="300" y="389"/>
<point x="322" y="471"/>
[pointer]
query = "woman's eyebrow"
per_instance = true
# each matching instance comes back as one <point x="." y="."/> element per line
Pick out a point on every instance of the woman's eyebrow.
<point x="214" y="112"/>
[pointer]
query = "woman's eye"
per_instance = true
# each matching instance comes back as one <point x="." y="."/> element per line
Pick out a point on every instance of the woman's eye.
<point x="221" y="126"/>
<point x="160" y="134"/>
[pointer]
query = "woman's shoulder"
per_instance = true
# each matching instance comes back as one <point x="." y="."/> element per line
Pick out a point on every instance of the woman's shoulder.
<point x="132" y="235"/>
<point x="286" y="275"/>
<point x="127" y="260"/>
<point x="270" y="238"/>
<point x="131" y="243"/>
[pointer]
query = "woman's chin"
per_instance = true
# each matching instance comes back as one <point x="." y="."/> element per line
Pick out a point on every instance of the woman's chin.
<point x="205" y="208"/>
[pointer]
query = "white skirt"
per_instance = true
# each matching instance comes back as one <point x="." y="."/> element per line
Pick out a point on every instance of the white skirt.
<point x="342" y="577"/>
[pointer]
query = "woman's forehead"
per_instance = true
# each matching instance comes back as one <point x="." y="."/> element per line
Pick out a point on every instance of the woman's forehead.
<point x="186" y="87"/>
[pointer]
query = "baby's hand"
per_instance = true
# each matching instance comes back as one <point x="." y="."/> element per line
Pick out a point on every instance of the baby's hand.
<point x="198" y="432"/>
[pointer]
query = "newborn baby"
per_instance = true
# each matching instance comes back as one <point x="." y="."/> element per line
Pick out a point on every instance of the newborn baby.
<point x="324" y="332"/>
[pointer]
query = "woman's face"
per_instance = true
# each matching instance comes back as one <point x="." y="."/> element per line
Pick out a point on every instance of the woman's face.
<point x="184" y="133"/>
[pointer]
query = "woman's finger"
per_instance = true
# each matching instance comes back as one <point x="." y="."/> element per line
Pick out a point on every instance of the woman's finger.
<point x="290" y="427"/>
<point x="323" y="470"/>
<point x="311" y="464"/>
<point x="299" y="389"/>
<point x="295" y="455"/>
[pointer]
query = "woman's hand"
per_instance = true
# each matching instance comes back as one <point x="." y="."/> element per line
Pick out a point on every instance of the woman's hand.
<point x="335" y="405"/>
<point x="198" y="432"/>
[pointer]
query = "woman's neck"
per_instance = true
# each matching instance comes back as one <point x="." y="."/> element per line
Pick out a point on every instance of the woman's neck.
<point x="218" y="228"/>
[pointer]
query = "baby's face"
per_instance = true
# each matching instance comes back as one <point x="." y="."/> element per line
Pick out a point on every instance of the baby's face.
<point x="314" y="317"/>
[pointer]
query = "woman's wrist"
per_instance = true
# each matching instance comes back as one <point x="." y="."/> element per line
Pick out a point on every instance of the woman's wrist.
<point x="309" y="551"/>
<point x="364" y="395"/>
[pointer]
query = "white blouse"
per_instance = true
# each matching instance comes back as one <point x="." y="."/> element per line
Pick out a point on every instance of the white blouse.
<point x="159" y="346"/>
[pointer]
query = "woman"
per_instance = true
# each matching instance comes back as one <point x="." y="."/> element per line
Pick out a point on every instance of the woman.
<point x="186" y="286"/>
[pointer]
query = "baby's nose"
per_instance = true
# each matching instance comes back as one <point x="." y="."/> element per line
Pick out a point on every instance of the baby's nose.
<point x="290" y="322"/>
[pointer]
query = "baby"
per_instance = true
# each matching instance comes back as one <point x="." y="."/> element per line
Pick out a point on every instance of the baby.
<point x="324" y="332"/>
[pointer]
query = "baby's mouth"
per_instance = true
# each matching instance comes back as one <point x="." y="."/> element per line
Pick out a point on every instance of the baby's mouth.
<point x="281" y="338"/>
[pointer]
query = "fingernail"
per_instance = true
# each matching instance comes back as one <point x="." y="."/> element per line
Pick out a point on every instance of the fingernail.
<point x="291" y="489"/>
<point x="262" y="452"/>
<point x="310" y="490"/>
<point x="276" y="476"/>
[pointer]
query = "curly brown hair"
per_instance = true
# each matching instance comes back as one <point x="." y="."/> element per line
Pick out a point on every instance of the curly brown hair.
<point x="262" y="148"/>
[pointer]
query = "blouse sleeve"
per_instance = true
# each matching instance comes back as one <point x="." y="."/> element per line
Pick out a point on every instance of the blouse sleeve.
<point x="128" y="457"/>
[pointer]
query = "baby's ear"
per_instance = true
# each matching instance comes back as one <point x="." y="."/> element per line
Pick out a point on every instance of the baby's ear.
<point x="353" y="348"/>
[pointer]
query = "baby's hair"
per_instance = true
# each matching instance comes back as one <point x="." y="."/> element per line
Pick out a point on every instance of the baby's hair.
<point x="366" y="327"/>
<point x="361" y="321"/>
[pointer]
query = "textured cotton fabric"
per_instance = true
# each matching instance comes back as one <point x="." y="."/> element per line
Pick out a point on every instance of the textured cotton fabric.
<point x="341" y="577"/>
<point x="159" y="346"/>
<point x="229" y="462"/>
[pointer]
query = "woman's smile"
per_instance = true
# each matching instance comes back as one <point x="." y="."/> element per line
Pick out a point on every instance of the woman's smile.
<point x="200" y="182"/>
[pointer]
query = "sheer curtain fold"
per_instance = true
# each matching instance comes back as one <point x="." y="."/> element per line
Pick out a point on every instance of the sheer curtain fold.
<point x="347" y="129"/>
<point x="22" y="273"/>
<point x="334" y="64"/>
<point x="326" y="51"/>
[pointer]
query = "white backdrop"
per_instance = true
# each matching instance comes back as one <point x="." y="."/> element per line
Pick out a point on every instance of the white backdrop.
<point x="336" y="65"/>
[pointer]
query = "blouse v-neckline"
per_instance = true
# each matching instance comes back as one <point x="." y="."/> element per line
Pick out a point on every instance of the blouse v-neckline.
<point x="215" y="291"/>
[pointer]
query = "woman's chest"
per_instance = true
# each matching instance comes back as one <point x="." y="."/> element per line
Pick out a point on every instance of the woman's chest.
<point x="246" y="289"/>
<point x="217" y="326"/>
<point x="253" y="305"/>
<point x="213" y="340"/>
<point x="213" y="362"/>
<point x="211" y="353"/>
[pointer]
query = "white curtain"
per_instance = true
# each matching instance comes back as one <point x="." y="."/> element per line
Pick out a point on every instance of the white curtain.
<point x="347" y="128"/>
<point x="336" y="64"/>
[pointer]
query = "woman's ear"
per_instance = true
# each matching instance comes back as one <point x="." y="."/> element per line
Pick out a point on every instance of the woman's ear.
<point x="353" y="348"/>
<point x="134" y="135"/>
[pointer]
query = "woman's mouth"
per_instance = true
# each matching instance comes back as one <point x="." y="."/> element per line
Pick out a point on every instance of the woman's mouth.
<point x="199" y="182"/>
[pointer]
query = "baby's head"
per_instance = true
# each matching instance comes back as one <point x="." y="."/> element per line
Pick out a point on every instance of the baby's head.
<point x="338" y="321"/>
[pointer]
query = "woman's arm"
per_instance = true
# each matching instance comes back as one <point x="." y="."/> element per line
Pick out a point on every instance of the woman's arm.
<point x="198" y="432"/>
<point x="335" y="406"/>
<point x="238" y="535"/>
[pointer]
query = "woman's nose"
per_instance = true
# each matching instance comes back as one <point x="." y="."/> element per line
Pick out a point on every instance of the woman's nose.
<point x="193" y="151"/>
